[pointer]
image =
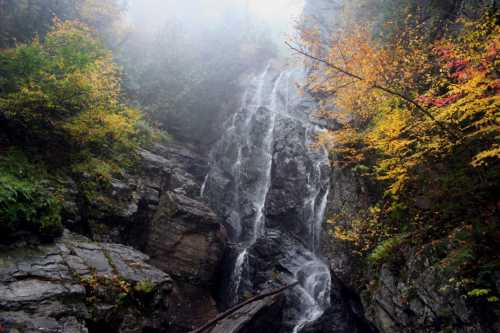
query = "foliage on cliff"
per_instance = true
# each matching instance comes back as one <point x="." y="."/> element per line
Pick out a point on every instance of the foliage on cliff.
<point x="60" y="101"/>
<point x="418" y="114"/>
<point x="62" y="96"/>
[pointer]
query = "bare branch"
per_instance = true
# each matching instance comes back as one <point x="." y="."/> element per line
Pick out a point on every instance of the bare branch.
<point x="239" y="306"/>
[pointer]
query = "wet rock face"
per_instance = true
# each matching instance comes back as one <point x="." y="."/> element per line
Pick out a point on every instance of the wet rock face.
<point x="123" y="213"/>
<point x="269" y="187"/>
<point x="186" y="240"/>
<point x="289" y="175"/>
<point x="75" y="285"/>
<point x="345" y="315"/>
<point x="265" y="152"/>
<point x="275" y="261"/>
<point x="267" y="257"/>
<point x="297" y="172"/>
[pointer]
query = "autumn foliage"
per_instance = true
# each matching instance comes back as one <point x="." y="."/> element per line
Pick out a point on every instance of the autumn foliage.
<point x="61" y="110"/>
<point x="419" y="118"/>
<point x="62" y="95"/>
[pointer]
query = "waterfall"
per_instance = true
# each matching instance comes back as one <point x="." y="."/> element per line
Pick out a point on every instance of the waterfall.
<point x="264" y="156"/>
<point x="240" y="181"/>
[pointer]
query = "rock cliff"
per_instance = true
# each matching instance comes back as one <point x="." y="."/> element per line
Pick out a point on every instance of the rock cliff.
<point x="76" y="286"/>
<point x="93" y="284"/>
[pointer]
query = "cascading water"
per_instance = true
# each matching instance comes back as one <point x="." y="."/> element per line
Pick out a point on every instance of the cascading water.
<point x="242" y="169"/>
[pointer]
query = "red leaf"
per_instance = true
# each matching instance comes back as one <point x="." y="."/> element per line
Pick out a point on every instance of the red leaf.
<point x="440" y="102"/>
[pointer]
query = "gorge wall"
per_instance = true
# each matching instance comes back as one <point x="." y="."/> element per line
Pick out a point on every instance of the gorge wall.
<point x="94" y="284"/>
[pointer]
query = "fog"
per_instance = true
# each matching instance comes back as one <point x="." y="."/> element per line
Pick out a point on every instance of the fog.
<point x="187" y="61"/>
<point x="278" y="16"/>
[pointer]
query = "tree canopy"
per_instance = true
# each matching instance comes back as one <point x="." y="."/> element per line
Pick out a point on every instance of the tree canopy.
<point x="414" y="94"/>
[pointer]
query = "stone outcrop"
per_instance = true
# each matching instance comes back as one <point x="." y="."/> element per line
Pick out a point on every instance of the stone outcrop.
<point x="187" y="242"/>
<point x="78" y="286"/>
<point x="187" y="233"/>
<point x="157" y="210"/>
<point x="407" y="295"/>
<point x="122" y="213"/>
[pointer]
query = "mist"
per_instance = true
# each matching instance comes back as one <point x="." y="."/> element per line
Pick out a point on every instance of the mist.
<point x="186" y="62"/>
<point x="278" y="16"/>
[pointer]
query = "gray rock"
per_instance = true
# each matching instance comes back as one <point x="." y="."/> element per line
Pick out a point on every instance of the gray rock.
<point x="345" y="315"/>
<point x="190" y="307"/>
<point x="412" y="298"/>
<point x="64" y="286"/>
<point x="122" y="213"/>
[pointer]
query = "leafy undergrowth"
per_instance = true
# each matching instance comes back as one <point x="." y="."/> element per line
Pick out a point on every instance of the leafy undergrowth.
<point x="25" y="203"/>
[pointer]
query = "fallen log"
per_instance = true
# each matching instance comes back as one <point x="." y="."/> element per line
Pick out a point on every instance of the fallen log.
<point x="235" y="308"/>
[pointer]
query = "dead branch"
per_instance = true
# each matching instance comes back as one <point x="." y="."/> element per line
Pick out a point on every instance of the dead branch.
<point x="239" y="306"/>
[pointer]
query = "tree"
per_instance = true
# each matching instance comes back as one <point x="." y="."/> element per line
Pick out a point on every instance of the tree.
<point x="61" y="96"/>
<point x="22" y="20"/>
<point x="418" y="116"/>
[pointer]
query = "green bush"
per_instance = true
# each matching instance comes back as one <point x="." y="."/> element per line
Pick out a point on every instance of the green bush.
<point x="25" y="203"/>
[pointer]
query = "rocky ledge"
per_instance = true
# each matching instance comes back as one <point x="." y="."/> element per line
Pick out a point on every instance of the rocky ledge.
<point x="78" y="286"/>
